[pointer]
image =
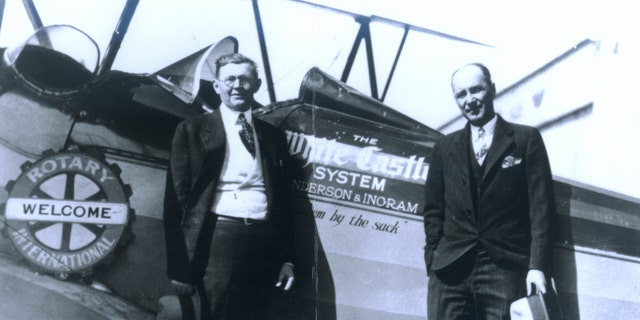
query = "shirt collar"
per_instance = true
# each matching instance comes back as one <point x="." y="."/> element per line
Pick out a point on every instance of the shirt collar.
<point x="231" y="116"/>
<point x="488" y="127"/>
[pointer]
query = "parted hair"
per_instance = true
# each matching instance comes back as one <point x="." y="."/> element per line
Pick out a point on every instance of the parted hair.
<point x="235" y="58"/>
<point x="482" y="67"/>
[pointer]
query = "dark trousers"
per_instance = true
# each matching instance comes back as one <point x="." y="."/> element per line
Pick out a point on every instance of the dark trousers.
<point x="238" y="275"/>
<point x="474" y="288"/>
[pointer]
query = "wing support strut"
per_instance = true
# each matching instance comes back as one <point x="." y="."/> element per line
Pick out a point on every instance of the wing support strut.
<point x="263" y="50"/>
<point x="395" y="62"/>
<point x="363" y="33"/>
<point x="32" y="12"/>
<point x="118" y="35"/>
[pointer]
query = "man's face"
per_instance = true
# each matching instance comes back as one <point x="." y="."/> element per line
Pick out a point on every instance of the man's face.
<point x="236" y="85"/>
<point x="474" y="95"/>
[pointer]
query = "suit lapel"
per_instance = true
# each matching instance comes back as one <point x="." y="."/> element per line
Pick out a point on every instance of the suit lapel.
<point x="502" y="140"/>
<point x="267" y="154"/>
<point x="212" y="133"/>
<point x="213" y="140"/>
<point x="460" y="150"/>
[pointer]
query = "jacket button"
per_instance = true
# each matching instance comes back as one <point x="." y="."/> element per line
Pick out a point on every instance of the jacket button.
<point x="464" y="182"/>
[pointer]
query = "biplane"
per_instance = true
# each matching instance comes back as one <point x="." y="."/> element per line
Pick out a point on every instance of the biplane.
<point x="85" y="148"/>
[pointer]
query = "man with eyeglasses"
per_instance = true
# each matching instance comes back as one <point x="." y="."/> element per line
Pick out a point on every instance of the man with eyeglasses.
<point x="228" y="233"/>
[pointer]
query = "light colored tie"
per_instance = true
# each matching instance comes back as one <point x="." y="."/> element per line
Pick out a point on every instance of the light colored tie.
<point x="484" y="145"/>
<point x="246" y="135"/>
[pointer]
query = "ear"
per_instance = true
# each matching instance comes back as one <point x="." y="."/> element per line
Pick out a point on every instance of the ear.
<point x="257" y="85"/>
<point x="493" y="89"/>
<point x="216" y="86"/>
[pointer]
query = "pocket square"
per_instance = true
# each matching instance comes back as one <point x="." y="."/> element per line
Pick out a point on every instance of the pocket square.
<point x="510" y="161"/>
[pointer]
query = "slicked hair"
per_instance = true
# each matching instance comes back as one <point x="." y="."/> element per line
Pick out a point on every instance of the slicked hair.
<point x="482" y="67"/>
<point x="235" y="58"/>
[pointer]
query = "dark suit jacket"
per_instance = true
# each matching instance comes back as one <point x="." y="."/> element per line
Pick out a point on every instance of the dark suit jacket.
<point x="197" y="157"/>
<point x="511" y="214"/>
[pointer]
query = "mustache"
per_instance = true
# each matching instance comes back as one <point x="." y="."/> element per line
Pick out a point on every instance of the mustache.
<point x="473" y="106"/>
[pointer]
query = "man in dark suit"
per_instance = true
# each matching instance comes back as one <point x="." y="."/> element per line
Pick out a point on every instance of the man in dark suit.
<point x="489" y="201"/>
<point x="226" y="202"/>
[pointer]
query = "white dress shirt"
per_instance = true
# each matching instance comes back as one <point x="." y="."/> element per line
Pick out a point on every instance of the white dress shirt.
<point x="241" y="190"/>
<point x="482" y="144"/>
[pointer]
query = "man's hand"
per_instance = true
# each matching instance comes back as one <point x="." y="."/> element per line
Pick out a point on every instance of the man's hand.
<point x="286" y="273"/>
<point x="536" y="277"/>
<point x="183" y="288"/>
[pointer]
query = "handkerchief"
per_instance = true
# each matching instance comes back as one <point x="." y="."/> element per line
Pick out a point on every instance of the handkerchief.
<point x="510" y="161"/>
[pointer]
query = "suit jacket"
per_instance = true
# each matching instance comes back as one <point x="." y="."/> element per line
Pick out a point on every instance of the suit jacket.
<point x="197" y="156"/>
<point x="509" y="217"/>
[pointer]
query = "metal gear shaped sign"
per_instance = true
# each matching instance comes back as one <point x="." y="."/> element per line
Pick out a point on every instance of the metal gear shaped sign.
<point x="67" y="212"/>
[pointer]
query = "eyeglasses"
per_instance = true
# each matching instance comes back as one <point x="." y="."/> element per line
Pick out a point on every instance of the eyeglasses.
<point x="244" y="82"/>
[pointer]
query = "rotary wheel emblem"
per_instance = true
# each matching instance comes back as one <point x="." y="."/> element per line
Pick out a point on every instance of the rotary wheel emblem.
<point x="67" y="212"/>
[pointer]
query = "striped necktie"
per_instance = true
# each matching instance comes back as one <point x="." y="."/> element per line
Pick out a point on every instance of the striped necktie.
<point x="484" y="146"/>
<point x="246" y="135"/>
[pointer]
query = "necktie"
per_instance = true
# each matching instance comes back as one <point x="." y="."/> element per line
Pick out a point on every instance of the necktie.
<point x="484" y="147"/>
<point x="246" y="135"/>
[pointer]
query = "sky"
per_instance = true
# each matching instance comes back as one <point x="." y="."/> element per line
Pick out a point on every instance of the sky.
<point x="521" y="37"/>
<point x="505" y="24"/>
<point x="540" y="27"/>
<point x="170" y="29"/>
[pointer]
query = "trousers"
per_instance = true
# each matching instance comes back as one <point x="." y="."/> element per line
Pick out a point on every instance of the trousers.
<point x="239" y="274"/>
<point x="474" y="288"/>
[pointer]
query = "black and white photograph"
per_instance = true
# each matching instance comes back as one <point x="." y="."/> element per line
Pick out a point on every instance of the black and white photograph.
<point x="319" y="159"/>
